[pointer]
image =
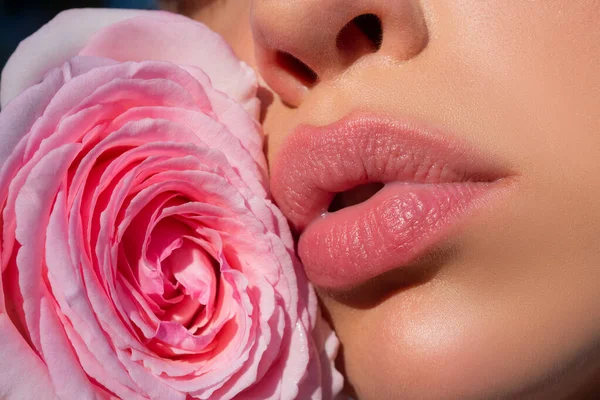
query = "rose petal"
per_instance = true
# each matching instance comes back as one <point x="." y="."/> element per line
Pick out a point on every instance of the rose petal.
<point x="66" y="282"/>
<point x="151" y="385"/>
<point x="177" y="125"/>
<point x="17" y="118"/>
<point x="70" y="382"/>
<point x="55" y="43"/>
<point x="32" y="207"/>
<point x="238" y="118"/>
<point x="182" y="41"/>
<point x="24" y="376"/>
<point x="321" y="381"/>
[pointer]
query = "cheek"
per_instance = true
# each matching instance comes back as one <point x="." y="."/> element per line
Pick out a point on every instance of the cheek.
<point x="532" y="70"/>
<point x="276" y="122"/>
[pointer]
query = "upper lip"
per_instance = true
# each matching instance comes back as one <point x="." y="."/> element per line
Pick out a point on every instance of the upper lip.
<point x="316" y="163"/>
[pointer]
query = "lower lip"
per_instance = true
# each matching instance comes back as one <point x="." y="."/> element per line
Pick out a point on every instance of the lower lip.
<point x="394" y="227"/>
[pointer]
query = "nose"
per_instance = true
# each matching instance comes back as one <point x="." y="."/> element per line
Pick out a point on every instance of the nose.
<point x="302" y="43"/>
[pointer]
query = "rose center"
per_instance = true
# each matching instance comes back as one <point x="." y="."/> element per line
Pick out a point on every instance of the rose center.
<point x="184" y="274"/>
<point x="189" y="272"/>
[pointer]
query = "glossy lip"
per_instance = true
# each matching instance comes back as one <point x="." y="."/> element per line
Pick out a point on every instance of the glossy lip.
<point x="430" y="182"/>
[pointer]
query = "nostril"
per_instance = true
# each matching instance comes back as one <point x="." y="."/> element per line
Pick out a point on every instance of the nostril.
<point x="370" y="25"/>
<point x="364" y="32"/>
<point x="296" y="68"/>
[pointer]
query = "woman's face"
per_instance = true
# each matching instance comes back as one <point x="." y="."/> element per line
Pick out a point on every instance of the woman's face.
<point x="479" y="276"/>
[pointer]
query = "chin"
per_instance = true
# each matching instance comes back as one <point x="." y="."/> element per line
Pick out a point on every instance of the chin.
<point x="432" y="342"/>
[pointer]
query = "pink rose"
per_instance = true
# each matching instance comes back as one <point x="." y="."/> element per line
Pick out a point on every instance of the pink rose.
<point x="140" y="254"/>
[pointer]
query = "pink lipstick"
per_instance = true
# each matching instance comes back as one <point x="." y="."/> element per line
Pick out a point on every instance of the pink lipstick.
<point x="369" y="194"/>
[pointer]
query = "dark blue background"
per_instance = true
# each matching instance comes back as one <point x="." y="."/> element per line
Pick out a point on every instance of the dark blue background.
<point x="20" y="18"/>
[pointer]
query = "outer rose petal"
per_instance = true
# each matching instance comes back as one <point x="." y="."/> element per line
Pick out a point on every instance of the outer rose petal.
<point x="24" y="375"/>
<point x="26" y="110"/>
<point x="52" y="45"/>
<point x="181" y="41"/>
<point x="67" y="375"/>
<point x="93" y="32"/>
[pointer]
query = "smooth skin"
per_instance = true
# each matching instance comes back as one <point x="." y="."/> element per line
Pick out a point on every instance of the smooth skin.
<point x="509" y="306"/>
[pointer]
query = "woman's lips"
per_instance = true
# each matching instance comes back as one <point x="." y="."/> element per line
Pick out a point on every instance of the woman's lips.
<point x="429" y="182"/>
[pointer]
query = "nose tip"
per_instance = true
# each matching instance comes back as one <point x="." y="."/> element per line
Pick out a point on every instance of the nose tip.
<point x="301" y="43"/>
